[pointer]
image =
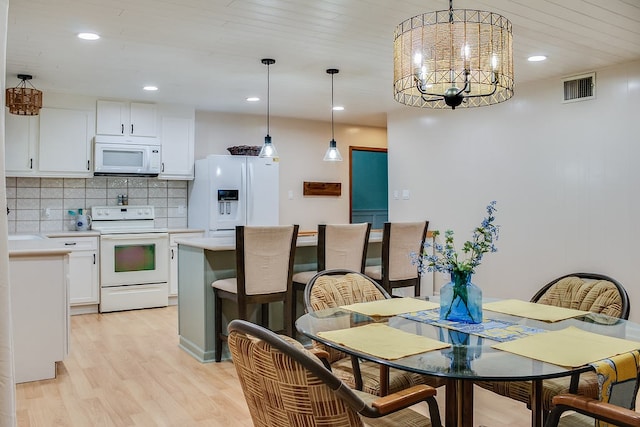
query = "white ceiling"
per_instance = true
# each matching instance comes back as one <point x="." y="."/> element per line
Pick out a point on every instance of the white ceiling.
<point x="207" y="53"/>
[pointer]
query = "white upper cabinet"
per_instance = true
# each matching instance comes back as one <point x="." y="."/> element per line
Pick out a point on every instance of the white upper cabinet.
<point x="55" y="143"/>
<point x="142" y="119"/>
<point x="20" y="144"/>
<point x="65" y="144"/>
<point x="178" y="146"/>
<point x="126" y="118"/>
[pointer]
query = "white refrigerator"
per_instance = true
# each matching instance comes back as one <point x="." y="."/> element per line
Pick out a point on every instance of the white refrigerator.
<point x="233" y="190"/>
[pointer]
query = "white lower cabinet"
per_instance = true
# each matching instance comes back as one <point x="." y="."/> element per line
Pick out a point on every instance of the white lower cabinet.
<point x="39" y="314"/>
<point x="173" y="261"/>
<point x="84" y="284"/>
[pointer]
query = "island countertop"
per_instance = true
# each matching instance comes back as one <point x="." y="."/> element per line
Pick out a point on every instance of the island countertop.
<point x="228" y="243"/>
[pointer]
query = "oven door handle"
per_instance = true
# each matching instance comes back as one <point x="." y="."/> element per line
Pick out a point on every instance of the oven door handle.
<point x="141" y="236"/>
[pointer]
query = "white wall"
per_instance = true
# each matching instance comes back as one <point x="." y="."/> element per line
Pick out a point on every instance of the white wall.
<point x="301" y="145"/>
<point x="565" y="177"/>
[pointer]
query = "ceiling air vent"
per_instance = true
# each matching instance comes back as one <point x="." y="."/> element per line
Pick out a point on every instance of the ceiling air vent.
<point x="580" y="88"/>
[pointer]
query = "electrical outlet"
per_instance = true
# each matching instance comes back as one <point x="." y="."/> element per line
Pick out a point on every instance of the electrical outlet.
<point x="47" y="213"/>
<point x="405" y="194"/>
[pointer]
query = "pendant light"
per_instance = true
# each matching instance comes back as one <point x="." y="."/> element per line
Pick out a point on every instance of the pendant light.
<point x="268" y="149"/>
<point x="23" y="100"/>
<point x="332" y="154"/>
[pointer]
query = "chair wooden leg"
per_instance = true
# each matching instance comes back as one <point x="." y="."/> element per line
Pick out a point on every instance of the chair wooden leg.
<point x="293" y="309"/>
<point x="288" y="319"/>
<point x="218" y="326"/>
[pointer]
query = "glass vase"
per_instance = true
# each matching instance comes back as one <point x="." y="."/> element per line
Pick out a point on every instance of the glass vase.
<point x="460" y="299"/>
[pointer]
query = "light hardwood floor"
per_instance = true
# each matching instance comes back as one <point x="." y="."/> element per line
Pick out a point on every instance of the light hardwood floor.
<point x="126" y="369"/>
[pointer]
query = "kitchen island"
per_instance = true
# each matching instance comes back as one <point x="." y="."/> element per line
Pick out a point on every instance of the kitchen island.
<point x="38" y="281"/>
<point x="203" y="260"/>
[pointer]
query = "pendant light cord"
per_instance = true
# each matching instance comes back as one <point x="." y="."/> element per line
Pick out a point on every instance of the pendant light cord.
<point x="332" y="71"/>
<point x="332" y="136"/>
<point x="268" y="97"/>
<point x="268" y="62"/>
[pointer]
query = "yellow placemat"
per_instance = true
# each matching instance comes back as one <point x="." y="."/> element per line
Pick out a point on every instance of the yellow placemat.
<point x="383" y="341"/>
<point x="531" y="310"/>
<point x="571" y="347"/>
<point x="391" y="306"/>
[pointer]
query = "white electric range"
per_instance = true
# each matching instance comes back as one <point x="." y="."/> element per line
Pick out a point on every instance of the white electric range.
<point x="134" y="258"/>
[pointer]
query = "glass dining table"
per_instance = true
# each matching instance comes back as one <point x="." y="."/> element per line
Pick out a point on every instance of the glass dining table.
<point x="470" y="357"/>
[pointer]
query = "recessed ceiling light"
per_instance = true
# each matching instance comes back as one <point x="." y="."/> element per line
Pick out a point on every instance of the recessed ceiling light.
<point x="338" y="108"/>
<point x="150" y="88"/>
<point x="536" y="58"/>
<point x="88" y="36"/>
<point x="253" y="99"/>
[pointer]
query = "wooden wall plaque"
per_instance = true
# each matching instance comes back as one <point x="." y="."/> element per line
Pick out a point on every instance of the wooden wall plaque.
<point x="322" y="188"/>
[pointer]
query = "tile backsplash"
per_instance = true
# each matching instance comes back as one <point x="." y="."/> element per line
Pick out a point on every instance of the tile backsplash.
<point x="39" y="205"/>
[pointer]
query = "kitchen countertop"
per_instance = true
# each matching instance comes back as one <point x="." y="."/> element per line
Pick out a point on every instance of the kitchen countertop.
<point x="31" y="244"/>
<point x="89" y="233"/>
<point x="185" y="230"/>
<point x="35" y="247"/>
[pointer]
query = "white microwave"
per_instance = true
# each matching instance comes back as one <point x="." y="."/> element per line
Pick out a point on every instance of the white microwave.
<point x="126" y="159"/>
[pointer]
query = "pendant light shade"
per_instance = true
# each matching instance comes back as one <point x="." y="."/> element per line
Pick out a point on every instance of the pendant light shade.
<point x="23" y="100"/>
<point x="332" y="154"/>
<point x="268" y="149"/>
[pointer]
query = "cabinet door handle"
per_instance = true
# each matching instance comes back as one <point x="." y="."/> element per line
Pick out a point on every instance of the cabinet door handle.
<point x="122" y="128"/>
<point x="131" y="128"/>
<point x="69" y="243"/>
<point x="162" y="169"/>
<point x="171" y="253"/>
<point x="31" y="163"/>
<point x="94" y="259"/>
<point x="88" y="165"/>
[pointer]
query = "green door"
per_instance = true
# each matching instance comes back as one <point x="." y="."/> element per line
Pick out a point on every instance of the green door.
<point x="369" y="186"/>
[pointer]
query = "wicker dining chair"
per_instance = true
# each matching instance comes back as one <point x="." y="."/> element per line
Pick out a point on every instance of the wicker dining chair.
<point x="338" y="246"/>
<point x="286" y="385"/>
<point x="587" y="410"/>
<point x="592" y="292"/>
<point x="399" y="241"/>
<point x="618" y="381"/>
<point x="335" y="288"/>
